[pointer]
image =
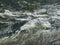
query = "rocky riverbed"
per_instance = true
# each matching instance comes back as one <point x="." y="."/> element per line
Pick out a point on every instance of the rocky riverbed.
<point x="41" y="27"/>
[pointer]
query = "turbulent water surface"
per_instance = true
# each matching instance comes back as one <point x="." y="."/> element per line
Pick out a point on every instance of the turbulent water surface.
<point x="41" y="27"/>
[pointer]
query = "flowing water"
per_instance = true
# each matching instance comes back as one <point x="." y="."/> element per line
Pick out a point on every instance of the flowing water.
<point x="41" y="27"/>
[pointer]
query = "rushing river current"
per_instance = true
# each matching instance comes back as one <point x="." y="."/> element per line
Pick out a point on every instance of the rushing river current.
<point x="41" y="27"/>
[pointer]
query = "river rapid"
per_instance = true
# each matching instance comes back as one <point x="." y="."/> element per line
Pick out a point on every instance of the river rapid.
<point x="41" y="27"/>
